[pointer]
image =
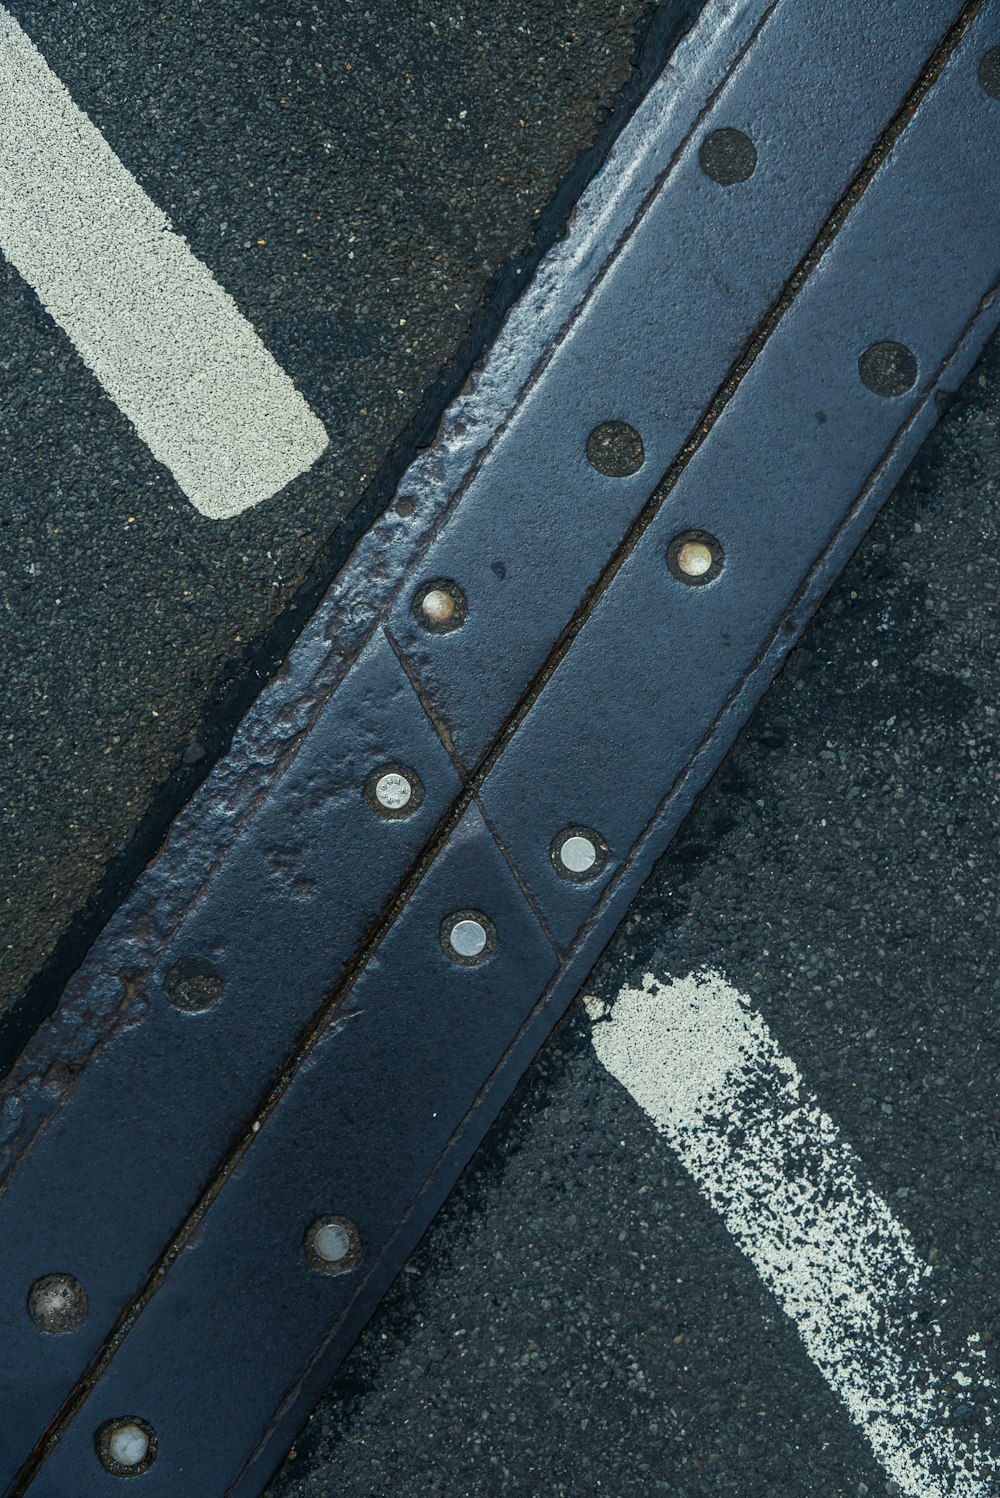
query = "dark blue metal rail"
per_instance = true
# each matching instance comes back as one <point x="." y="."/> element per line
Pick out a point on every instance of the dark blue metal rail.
<point x="286" y="1045"/>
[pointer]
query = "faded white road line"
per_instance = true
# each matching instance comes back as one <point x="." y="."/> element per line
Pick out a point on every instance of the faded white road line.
<point x="706" y="1069"/>
<point x="169" y="346"/>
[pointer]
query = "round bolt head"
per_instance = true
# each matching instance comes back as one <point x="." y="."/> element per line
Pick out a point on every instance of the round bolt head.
<point x="579" y="854"/>
<point x="440" y="606"/>
<point x="126" y="1446"/>
<point x="129" y="1445"/>
<point x="695" y="558"/>
<point x="394" y="792"/>
<point x="332" y="1242"/>
<point x="333" y="1245"/>
<point x="468" y="937"/>
<point x="57" y="1303"/>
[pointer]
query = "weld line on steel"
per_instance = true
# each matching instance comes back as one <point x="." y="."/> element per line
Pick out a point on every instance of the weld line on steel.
<point x="530" y="898"/>
<point x="420" y="692"/>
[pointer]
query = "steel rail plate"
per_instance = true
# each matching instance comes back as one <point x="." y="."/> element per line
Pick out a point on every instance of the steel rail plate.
<point x="286" y="1044"/>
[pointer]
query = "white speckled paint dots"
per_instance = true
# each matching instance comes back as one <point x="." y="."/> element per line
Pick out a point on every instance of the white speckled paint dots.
<point x="168" y="344"/>
<point x="707" y="1071"/>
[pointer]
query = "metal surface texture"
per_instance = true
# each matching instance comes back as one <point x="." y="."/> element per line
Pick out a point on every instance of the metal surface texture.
<point x="315" y="1001"/>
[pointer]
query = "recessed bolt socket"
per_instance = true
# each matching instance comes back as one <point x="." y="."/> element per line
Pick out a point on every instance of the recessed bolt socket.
<point x="126" y="1446"/>
<point x="615" y="449"/>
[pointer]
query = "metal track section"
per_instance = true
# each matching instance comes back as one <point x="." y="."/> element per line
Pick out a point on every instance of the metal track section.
<point x="287" y="1043"/>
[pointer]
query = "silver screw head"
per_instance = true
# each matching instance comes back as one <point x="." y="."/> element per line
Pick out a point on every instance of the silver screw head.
<point x="333" y="1245"/>
<point x="394" y="791"/>
<point x="332" y="1242"/>
<point x="579" y="854"/>
<point x="440" y="606"/>
<point x="129" y="1445"/>
<point x="126" y="1446"/>
<point x="695" y="558"/>
<point x="468" y="937"/>
<point x="57" y="1303"/>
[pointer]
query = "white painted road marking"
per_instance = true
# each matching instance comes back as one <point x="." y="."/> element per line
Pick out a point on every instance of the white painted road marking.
<point x="792" y="1192"/>
<point x="168" y="344"/>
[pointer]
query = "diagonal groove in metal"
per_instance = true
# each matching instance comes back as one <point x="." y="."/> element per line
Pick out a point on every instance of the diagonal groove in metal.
<point x="734" y="376"/>
<point x="730" y="384"/>
<point x="435" y="720"/>
<point x="784" y="634"/>
<point x="538" y="371"/>
<point x="462" y="812"/>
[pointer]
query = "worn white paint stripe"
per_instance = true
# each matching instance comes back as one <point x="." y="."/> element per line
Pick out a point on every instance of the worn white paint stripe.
<point x="706" y="1069"/>
<point x="168" y="344"/>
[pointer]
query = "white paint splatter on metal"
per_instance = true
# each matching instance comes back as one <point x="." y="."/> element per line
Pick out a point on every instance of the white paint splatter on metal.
<point x="168" y="344"/>
<point x="706" y="1069"/>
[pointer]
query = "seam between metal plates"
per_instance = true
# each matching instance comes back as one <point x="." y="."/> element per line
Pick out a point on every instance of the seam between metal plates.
<point x="439" y="727"/>
<point x="440" y="521"/>
<point x="757" y="339"/>
<point x="326" y="1019"/>
<point x="322" y="1022"/>
<point x="760" y="661"/>
<point x="327" y="1011"/>
<point x="824" y="240"/>
<point x="795" y="604"/>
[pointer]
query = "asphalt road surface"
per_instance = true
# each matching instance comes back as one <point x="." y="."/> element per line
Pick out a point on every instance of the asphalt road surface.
<point x="583" y="1317"/>
<point x="370" y="185"/>
<point x="580" y="1319"/>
